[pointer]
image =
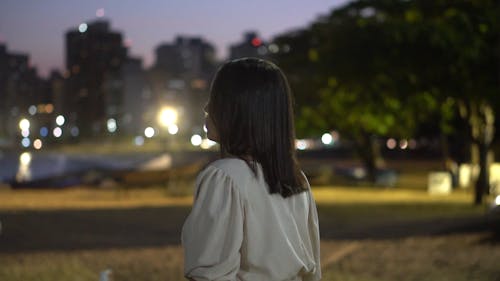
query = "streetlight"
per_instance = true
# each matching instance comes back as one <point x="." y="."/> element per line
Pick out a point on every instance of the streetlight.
<point x="60" y="120"/>
<point x="168" y="118"/>
<point x="327" y="139"/>
<point x="24" y="124"/>
<point x="173" y="129"/>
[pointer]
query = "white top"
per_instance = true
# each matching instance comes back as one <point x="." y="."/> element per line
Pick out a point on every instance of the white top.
<point x="237" y="230"/>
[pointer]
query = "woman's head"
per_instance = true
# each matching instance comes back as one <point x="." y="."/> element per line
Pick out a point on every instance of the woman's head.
<point x="250" y="115"/>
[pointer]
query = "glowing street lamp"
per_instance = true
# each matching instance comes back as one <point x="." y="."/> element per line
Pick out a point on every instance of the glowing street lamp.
<point x="149" y="132"/>
<point x="60" y="120"/>
<point x="326" y="139"/>
<point x="196" y="140"/>
<point x="173" y="129"/>
<point x="167" y="116"/>
<point x="168" y="119"/>
<point x="112" y="125"/>
<point x="24" y="124"/>
<point x="24" y="171"/>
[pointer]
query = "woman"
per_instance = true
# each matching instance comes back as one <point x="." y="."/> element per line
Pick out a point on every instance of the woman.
<point x="254" y="217"/>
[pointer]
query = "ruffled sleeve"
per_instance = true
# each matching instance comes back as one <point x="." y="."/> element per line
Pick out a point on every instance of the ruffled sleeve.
<point x="313" y="226"/>
<point x="213" y="232"/>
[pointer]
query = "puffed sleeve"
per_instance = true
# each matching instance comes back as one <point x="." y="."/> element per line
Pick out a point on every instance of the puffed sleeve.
<point x="313" y="225"/>
<point x="213" y="232"/>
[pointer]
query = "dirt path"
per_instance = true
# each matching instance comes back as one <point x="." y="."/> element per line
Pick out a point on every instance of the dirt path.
<point x="159" y="226"/>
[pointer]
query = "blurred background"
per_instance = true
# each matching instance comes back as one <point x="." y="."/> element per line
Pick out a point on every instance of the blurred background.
<point x="102" y="131"/>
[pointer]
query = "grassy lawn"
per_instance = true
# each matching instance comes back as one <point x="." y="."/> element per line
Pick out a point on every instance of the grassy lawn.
<point x="91" y="198"/>
<point x="368" y="234"/>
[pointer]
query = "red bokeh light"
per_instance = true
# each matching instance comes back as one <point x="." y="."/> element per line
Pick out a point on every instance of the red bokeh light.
<point x="256" y="42"/>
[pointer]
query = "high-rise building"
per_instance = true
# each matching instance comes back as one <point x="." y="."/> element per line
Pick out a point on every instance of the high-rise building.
<point x="181" y="75"/>
<point x="137" y="99"/>
<point x="56" y="89"/>
<point x="3" y="90"/>
<point x="186" y="58"/>
<point x="19" y="85"/>
<point x="94" y="58"/>
<point x="45" y="107"/>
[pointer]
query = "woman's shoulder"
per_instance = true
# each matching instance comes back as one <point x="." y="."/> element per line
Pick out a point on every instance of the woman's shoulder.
<point x="227" y="162"/>
<point x="234" y="168"/>
<point x="230" y="165"/>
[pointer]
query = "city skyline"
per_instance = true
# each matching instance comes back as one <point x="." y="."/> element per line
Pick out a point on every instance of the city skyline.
<point x="37" y="28"/>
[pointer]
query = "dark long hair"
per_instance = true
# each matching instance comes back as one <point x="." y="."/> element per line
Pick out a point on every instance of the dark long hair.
<point x="251" y="108"/>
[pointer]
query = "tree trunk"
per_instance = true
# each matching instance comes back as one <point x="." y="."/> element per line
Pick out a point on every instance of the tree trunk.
<point x="445" y="150"/>
<point x="482" y="183"/>
<point x="368" y="149"/>
<point x="482" y="121"/>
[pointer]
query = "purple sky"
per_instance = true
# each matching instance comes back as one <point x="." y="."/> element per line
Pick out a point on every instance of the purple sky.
<point x="36" y="27"/>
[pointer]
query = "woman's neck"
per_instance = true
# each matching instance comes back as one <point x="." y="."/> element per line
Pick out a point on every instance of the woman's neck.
<point x="246" y="157"/>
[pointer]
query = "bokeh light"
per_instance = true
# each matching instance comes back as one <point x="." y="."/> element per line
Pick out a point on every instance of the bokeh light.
<point x="49" y="108"/>
<point x="206" y="144"/>
<point x="112" y="126"/>
<point x="167" y="116"/>
<point x="326" y="139"/>
<point x="412" y="144"/>
<point x="37" y="144"/>
<point x="25" y="142"/>
<point x="262" y="50"/>
<point x="60" y="120"/>
<point x="24" y="124"/>
<point x="32" y="110"/>
<point x="149" y="132"/>
<point x="403" y="144"/>
<point x="82" y="27"/>
<point x="44" y="131"/>
<point x="57" y="132"/>
<point x="75" y="131"/>
<point x="273" y="48"/>
<point x="25" y="158"/>
<point x="196" y="140"/>
<point x="256" y="42"/>
<point x="139" y="140"/>
<point x="24" y="172"/>
<point x="173" y="129"/>
<point x="301" y="144"/>
<point x="391" y="143"/>
<point x="99" y="13"/>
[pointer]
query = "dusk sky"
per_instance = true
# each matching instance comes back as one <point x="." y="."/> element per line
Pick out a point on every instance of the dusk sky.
<point x="37" y="27"/>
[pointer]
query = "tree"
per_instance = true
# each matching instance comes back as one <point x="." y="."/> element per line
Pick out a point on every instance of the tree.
<point x="375" y="67"/>
<point x="465" y="36"/>
<point x="348" y="74"/>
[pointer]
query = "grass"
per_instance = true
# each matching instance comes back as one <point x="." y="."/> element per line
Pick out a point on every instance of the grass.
<point x="158" y="263"/>
<point x="89" y="198"/>
<point x="117" y="197"/>
<point x="451" y="257"/>
<point x="368" y="234"/>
